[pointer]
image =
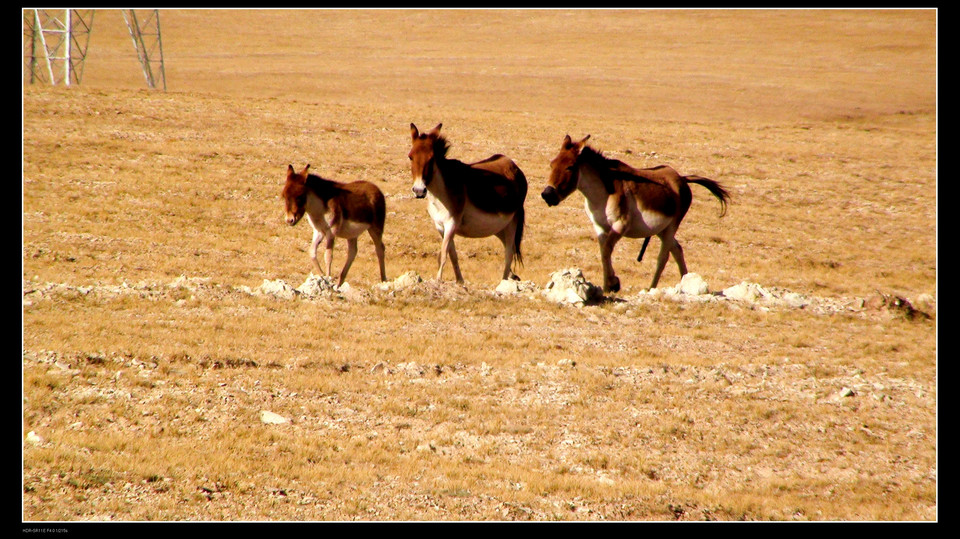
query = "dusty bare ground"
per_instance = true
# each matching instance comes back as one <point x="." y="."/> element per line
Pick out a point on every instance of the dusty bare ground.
<point x="577" y="428"/>
<point x="157" y="345"/>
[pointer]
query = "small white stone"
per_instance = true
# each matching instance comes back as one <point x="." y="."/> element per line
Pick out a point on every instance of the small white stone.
<point x="846" y="392"/>
<point x="508" y="286"/>
<point x="271" y="418"/>
<point x="693" y="284"/>
<point x="277" y="288"/>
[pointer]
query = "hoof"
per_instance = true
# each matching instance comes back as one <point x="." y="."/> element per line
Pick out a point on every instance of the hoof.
<point x="613" y="286"/>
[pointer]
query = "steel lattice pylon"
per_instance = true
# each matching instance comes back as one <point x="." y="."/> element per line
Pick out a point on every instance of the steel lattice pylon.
<point x="146" y="39"/>
<point x="55" y="44"/>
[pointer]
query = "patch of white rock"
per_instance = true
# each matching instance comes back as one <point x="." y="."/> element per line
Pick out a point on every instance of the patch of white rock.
<point x="566" y="286"/>
<point x="692" y="287"/>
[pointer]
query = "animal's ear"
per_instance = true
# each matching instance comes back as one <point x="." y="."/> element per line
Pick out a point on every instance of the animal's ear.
<point x="289" y="170"/>
<point x="436" y="130"/>
<point x="567" y="141"/>
<point x="414" y="131"/>
<point x="582" y="143"/>
<point x="304" y="171"/>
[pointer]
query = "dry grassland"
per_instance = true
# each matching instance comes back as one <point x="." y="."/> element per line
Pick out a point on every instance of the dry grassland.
<point x="146" y="364"/>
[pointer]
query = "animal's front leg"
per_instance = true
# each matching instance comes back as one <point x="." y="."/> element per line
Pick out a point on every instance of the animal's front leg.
<point x="454" y="261"/>
<point x="330" y="235"/>
<point x="607" y="241"/>
<point x="448" y="250"/>
<point x="328" y="251"/>
<point x="317" y="236"/>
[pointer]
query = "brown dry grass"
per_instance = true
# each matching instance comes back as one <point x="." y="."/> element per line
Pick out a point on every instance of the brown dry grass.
<point x="455" y="404"/>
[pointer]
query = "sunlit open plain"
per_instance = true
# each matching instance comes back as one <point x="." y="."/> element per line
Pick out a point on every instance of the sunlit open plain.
<point x="152" y="219"/>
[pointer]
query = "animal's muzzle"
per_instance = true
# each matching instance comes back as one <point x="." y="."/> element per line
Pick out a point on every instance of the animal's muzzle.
<point x="550" y="196"/>
<point x="419" y="187"/>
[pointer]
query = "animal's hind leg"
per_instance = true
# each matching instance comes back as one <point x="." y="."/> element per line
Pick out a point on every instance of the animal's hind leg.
<point x="677" y="253"/>
<point x="377" y="236"/>
<point x="328" y="252"/>
<point x="668" y="244"/>
<point x="506" y="236"/>
<point x="351" y="254"/>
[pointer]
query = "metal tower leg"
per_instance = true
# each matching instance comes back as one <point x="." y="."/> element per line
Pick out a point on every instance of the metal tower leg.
<point x="146" y="39"/>
<point x="55" y="47"/>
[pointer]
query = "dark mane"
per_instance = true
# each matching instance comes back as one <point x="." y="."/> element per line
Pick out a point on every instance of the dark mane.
<point x="493" y="157"/>
<point x="440" y="147"/>
<point x="613" y="169"/>
<point x="324" y="188"/>
<point x="597" y="160"/>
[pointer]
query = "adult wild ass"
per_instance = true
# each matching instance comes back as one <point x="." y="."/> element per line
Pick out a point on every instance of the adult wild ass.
<point x="623" y="201"/>
<point x="474" y="200"/>
<point x="336" y="210"/>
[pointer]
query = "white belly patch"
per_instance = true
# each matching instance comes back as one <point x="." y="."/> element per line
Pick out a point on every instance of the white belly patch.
<point x="478" y="224"/>
<point x="352" y="229"/>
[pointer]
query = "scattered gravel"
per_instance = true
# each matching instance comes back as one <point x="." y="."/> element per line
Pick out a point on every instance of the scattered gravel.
<point x="566" y="286"/>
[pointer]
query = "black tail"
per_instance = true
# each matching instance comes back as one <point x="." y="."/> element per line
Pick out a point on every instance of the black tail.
<point x="718" y="191"/>
<point x="518" y="236"/>
<point x="520" y="215"/>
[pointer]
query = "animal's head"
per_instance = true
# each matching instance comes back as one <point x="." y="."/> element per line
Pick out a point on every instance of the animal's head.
<point x="564" y="172"/>
<point x="423" y="152"/>
<point x="295" y="194"/>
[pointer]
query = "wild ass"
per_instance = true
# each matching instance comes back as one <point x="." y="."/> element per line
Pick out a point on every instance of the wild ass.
<point x="336" y="210"/>
<point x="474" y="200"/>
<point x="623" y="201"/>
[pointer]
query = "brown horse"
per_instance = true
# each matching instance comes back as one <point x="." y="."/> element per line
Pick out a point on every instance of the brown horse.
<point x="335" y="209"/>
<point x="625" y="201"/>
<point x="472" y="200"/>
